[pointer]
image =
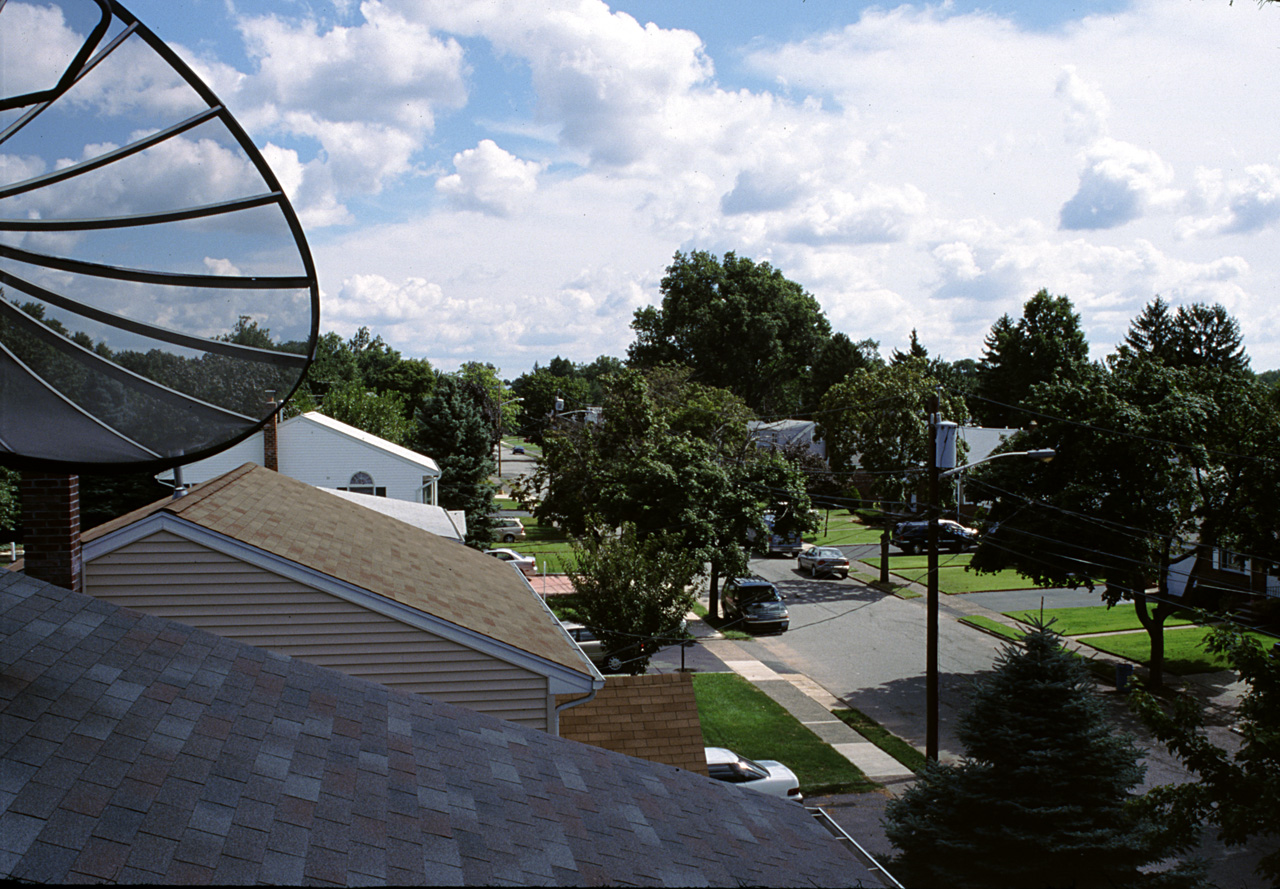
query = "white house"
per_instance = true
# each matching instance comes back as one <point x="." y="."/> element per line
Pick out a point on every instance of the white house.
<point x="323" y="452"/>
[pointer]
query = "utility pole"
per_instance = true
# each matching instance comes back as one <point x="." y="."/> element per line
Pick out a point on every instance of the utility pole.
<point x="942" y="455"/>
<point x="931" y="628"/>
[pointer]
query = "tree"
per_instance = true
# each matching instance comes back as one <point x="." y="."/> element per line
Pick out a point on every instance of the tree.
<point x="633" y="593"/>
<point x="669" y="455"/>
<point x="382" y="415"/>
<point x="839" y="357"/>
<point x="1198" y="335"/>
<point x="1238" y="793"/>
<point x="451" y="428"/>
<point x="1151" y="459"/>
<point x="879" y="418"/>
<point x="1043" y="795"/>
<point x="10" y="505"/>
<point x="1045" y="342"/>
<point x="538" y="391"/>
<point x="737" y="325"/>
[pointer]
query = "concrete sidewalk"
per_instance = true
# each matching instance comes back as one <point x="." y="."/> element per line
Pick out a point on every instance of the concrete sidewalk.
<point x="812" y="705"/>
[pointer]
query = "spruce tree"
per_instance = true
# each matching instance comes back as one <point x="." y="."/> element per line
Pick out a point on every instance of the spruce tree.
<point x="1043" y="794"/>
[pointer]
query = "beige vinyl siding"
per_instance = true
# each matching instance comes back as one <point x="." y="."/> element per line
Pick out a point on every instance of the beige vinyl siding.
<point x="171" y="577"/>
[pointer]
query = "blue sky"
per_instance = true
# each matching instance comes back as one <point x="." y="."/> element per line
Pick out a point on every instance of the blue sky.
<point x="506" y="181"/>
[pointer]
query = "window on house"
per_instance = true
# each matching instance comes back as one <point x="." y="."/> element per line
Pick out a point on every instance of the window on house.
<point x="1224" y="560"/>
<point x="362" y="483"/>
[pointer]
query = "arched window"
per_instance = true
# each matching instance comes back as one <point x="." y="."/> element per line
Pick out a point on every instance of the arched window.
<point x="362" y="483"/>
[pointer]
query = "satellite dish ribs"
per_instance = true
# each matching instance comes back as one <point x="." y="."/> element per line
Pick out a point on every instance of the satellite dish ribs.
<point x="155" y="282"/>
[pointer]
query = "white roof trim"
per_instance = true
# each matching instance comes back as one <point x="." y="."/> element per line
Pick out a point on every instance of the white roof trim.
<point x="365" y="438"/>
<point x="560" y="679"/>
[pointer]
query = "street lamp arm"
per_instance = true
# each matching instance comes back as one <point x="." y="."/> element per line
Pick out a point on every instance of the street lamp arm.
<point x="1044" y="455"/>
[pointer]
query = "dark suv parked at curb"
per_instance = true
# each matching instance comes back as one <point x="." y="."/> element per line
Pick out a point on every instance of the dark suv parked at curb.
<point x="754" y="604"/>
<point x="953" y="536"/>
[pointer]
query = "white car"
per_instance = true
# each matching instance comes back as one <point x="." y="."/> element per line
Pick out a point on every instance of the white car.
<point x="527" y="564"/>
<point x="765" y="775"/>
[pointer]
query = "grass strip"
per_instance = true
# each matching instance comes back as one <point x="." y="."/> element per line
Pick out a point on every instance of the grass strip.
<point x="736" y="714"/>
<point x="993" y="626"/>
<point x="718" y="625"/>
<point x="882" y="738"/>
<point x="1092" y="619"/>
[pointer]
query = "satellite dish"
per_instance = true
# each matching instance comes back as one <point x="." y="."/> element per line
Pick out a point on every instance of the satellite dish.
<point x="156" y="291"/>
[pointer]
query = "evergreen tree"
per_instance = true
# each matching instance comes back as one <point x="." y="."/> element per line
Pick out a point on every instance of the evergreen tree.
<point x="1043" y="794"/>
<point x="1046" y="342"/>
<point x="452" y="429"/>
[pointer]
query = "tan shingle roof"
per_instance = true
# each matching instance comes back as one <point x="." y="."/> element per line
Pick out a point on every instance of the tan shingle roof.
<point x="375" y="552"/>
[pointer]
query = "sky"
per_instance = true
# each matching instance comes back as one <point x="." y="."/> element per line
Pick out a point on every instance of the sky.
<point x="506" y="181"/>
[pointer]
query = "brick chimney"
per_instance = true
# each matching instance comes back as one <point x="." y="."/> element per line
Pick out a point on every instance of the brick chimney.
<point x="270" y="443"/>
<point x="51" y="529"/>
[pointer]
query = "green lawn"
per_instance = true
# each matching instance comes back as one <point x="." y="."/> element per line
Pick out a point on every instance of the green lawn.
<point x="1095" y="619"/>
<point x="841" y="528"/>
<point x="1184" y="651"/>
<point x="547" y="545"/>
<point x="736" y="714"/>
<point x="952" y="576"/>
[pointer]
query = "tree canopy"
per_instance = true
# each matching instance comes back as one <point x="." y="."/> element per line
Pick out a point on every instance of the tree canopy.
<point x="737" y="325"/>
<point x="1152" y="459"/>
<point x="879" y="418"/>
<point x="1045" y="342"/>
<point x="633" y="592"/>
<point x="669" y="455"/>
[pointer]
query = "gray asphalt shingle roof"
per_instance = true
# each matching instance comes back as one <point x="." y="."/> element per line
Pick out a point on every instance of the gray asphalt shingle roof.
<point x="136" y="749"/>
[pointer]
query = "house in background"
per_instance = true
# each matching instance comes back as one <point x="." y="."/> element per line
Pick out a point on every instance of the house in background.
<point x="783" y="433"/>
<point x="1218" y="579"/>
<point x="323" y="452"/>
<point x="139" y="750"/>
<point x="256" y="556"/>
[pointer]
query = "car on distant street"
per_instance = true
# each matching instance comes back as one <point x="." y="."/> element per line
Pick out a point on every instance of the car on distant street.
<point x="911" y="537"/>
<point x="765" y="775"/>
<point x="593" y="648"/>
<point x="823" y="560"/>
<point x="508" y="529"/>
<point x="754" y="604"/>
<point x="527" y="564"/>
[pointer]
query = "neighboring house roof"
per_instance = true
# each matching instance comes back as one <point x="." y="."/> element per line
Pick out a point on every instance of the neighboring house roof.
<point x="436" y="519"/>
<point x="135" y="749"/>
<point x="368" y="438"/>
<point x="983" y="440"/>
<point x="781" y="433"/>
<point x="281" y="523"/>
<point x="290" y="433"/>
<point x="654" y="717"/>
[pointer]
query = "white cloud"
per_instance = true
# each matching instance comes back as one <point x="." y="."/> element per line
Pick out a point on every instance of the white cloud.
<point x="917" y="167"/>
<point x="615" y="88"/>
<point x="1087" y="107"/>
<point x="1117" y="185"/>
<point x="1243" y="205"/>
<point x="489" y="180"/>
